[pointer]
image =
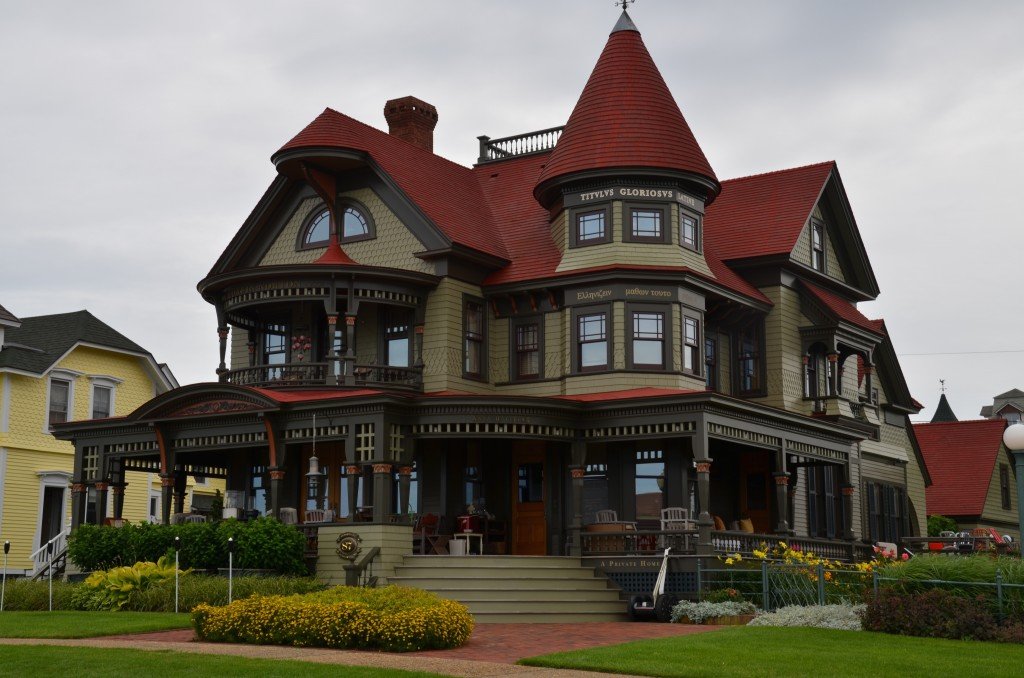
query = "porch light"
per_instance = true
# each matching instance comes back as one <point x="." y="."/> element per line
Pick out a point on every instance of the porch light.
<point x="1013" y="438"/>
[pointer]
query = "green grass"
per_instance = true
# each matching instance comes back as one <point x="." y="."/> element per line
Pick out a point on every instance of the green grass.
<point x="86" y="624"/>
<point x="751" y="651"/>
<point x="40" y="660"/>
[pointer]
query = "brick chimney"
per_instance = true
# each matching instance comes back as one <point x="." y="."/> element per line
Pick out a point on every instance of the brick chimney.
<point x="412" y="120"/>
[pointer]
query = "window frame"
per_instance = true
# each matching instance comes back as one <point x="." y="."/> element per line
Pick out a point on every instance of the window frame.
<point x="574" y="227"/>
<point x="343" y="206"/>
<point x="818" y="231"/>
<point x="666" y="336"/>
<point x="467" y="301"/>
<point x="888" y="511"/>
<point x="696" y="347"/>
<point x="1005" y="497"/>
<point x="388" y="318"/>
<point x="66" y="377"/>
<point x="109" y="384"/>
<point x="513" y="350"/>
<point x="628" y="208"/>
<point x="757" y="329"/>
<point x="609" y="338"/>
<point x="698" y="245"/>
<point x="711" y="378"/>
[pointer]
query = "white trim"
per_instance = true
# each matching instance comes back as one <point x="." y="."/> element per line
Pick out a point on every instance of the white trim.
<point x="150" y="362"/>
<point x="23" y="373"/>
<point x="106" y="379"/>
<point x="68" y="376"/>
<point x="5" y="406"/>
<point x="3" y="477"/>
<point x="51" y="479"/>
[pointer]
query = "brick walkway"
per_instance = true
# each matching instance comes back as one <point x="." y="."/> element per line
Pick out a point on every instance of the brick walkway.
<point x="507" y="643"/>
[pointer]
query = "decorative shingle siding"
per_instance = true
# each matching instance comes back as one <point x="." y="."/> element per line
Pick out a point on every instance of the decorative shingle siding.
<point x="784" y="378"/>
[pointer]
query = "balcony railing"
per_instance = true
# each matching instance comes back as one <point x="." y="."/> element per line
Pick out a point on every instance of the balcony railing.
<point x="520" y="144"/>
<point x="649" y="542"/>
<point x="320" y="374"/>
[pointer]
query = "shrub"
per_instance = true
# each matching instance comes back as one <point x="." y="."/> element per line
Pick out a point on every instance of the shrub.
<point x="393" y="618"/>
<point x="264" y="543"/>
<point x="723" y="595"/>
<point x="938" y="524"/>
<point x="25" y="595"/>
<point x="935" y="613"/>
<point x="199" y="589"/>
<point x="843" y="617"/>
<point x="114" y="588"/>
<point x="698" y="612"/>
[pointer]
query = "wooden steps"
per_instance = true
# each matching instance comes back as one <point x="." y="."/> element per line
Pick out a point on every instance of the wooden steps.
<point x="512" y="589"/>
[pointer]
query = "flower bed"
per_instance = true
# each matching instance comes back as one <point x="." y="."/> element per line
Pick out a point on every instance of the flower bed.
<point x="844" y="617"/>
<point x="393" y="618"/>
<point x="729" y="612"/>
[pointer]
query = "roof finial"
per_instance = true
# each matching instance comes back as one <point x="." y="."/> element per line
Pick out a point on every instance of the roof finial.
<point x="942" y="385"/>
<point x="624" y="4"/>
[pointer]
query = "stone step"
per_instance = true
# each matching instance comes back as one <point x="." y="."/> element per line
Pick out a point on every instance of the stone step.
<point x="468" y="595"/>
<point x="560" y="606"/>
<point x="493" y="572"/>
<point x="434" y="583"/>
<point x="547" y="618"/>
<point x="498" y="561"/>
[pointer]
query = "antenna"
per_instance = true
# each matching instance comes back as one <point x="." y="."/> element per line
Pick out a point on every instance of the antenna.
<point x="624" y="4"/>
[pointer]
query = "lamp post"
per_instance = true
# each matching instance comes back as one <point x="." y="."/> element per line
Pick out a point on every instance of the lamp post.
<point x="3" y="587"/>
<point x="177" y="547"/>
<point x="1013" y="438"/>
<point x="313" y="481"/>
<point x="231" y="566"/>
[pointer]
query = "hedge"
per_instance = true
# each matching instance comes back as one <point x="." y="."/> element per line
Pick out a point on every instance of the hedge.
<point x="393" y="618"/>
<point x="264" y="543"/>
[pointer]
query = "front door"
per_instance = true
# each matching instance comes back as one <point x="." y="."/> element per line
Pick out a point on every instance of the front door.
<point x="529" y="526"/>
<point x="755" y="490"/>
<point x="53" y="514"/>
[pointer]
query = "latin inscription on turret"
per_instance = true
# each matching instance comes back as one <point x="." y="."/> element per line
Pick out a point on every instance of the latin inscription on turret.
<point x="633" y="193"/>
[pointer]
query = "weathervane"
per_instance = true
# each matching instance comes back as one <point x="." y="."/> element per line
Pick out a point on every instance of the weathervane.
<point x="624" y="4"/>
<point x="942" y="385"/>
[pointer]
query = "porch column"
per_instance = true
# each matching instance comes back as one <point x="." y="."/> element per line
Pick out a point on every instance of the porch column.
<point x="352" y="477"/>
<point x="704" y="521"/>
<point x="782" y="501"/>
<point x="222" y="335"/>
<point x="332" y="357"/>
<point x="578" y="472"/>
<point x="350" y="340"/>
<point x="833" y="374"/>
<point x="868" y="370"/>
<point x="404" y="483"/>
<point x="101" y="502"/>
<point x="276" y="478"/>
<point x="166" y="489"/>
<point x="118" y="492"/>
<point x="847" y="491"/>
<point x="381" y="492"/>
<point x="179" y="490"/>
<point x="78" y="493"/>
<point x="251" y="345"/>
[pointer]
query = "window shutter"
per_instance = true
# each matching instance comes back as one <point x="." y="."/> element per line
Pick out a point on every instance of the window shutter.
<point x="828" y="490"/>
<point x="812" y="502"/>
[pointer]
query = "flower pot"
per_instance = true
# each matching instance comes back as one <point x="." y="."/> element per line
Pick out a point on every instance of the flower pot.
<point x="724" y="620"/>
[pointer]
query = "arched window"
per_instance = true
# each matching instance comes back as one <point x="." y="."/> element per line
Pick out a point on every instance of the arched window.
<point x="356" y="224"/>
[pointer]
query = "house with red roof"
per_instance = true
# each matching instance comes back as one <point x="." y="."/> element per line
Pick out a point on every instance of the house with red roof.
<point x="972" y="474"/>
<point x="588" y="322"/>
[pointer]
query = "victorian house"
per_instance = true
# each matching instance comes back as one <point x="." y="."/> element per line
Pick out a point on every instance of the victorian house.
<point x="586" y="321"/>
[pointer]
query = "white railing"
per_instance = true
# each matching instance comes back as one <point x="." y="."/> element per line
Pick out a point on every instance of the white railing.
<point x="50" y="550"/>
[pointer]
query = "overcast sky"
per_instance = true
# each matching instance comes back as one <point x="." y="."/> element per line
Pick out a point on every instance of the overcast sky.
<point x="135" y="138"/>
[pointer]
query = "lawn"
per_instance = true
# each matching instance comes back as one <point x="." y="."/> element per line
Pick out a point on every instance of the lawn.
<point x="86" y="624"/>
<point x="43" y="660"/>
<point x="754" y="651"/>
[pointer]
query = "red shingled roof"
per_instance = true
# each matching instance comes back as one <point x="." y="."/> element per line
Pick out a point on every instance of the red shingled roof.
<point x="843" y="309"/>
<point x="303" y="396"/>
<point x="960" y="457"/>
<point x="626" y="117"/>
<point x="447" y="193"/>
<point x="765" y="213"/>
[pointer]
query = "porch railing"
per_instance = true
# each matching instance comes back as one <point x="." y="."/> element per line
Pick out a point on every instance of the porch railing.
<point x="520" y="144"/>
<point x="682" y="542"/>
<point x="320" y="374"/>
<point x="51" y="554"/>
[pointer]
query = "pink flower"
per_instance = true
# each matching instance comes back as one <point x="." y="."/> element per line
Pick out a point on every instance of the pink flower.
<point x="906" y="556"/>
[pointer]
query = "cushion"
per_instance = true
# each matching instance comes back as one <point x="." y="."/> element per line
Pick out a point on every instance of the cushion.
<point x="746" y="525"/>
<point x="719" y="523"/>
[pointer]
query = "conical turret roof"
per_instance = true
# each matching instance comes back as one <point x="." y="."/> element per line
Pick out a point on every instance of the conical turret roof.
<point x="943" y="413"/>
<point x="626" y="118"/>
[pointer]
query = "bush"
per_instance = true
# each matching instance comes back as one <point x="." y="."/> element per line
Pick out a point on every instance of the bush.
<point x="264" y="543"/>
<point x="698" y="612"/>
<point x="25" y="595"/>
<point x="843" y="617"/>
<point x="393" y="618"/>
<point x="114" y="588"/>
<point x="938" y="524"/>
<point x="937" y="614"/>
<point x="724" y="595"/>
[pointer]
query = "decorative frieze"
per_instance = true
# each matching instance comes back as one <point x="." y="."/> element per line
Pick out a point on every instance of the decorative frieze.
<point x="815" y="451"/>
<point x="226" y="440"/>
<point x="743" y="435"/>
<point x="492" y="428"/>
<point x="641" y="430"/>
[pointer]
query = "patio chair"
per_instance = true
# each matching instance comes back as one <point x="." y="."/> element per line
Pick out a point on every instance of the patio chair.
<point x="675" y="519"/>
<point x="425" y="527"/>
<point x="437" y="544"/>
<point x="607" y="516"/>
<point x="193" y="518"/>
<point x="319" y="516"/>
<point x="288" y="516"/>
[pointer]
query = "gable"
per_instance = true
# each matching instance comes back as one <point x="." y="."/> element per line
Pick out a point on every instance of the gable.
<point x="802" y="251"/>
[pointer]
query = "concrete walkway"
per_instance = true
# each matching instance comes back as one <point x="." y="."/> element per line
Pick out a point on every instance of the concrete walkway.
<point x="492" y="650"/>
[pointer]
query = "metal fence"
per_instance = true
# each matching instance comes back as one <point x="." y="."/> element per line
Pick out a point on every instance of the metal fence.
<point x="1005" y="599"/>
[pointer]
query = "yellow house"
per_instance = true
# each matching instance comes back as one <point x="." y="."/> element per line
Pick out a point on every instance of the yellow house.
<point x="64" y="367"/>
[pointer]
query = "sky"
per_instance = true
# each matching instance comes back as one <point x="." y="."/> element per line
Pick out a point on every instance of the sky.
<point x="135" y="139"/>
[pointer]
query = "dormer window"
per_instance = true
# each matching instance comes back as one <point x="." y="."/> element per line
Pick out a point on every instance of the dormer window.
<point x="689" y="231"/>
<point x="817" y="245"/>
<point x="590" y="227"/>
<point x="356" y="225"/>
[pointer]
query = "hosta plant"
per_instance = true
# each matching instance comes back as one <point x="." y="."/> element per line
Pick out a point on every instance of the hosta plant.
<point x="112" y="589"/>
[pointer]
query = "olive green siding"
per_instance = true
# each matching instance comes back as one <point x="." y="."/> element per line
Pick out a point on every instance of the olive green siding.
<point x="783" y="357"/>
<point x="802" y="251"/>
<point x="393" y="247"/>
<point x="239" y="348"/>
<point x="619" y="335"/>
<point x="555" y="345"/>
<point x="443" y="338"/>
<point x="367" y="335"/>
<point x="619" y="252"/>
<point x="994" y="514"/>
